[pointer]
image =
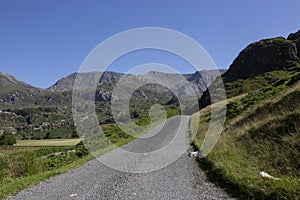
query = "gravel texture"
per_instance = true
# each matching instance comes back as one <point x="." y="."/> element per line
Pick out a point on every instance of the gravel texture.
<point x="181" y="179"/>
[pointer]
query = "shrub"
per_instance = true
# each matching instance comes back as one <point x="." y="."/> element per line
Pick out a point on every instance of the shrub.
<point x="7" y="138"/>
<point x="81" y="150"/>
<point x="233" y="109"/>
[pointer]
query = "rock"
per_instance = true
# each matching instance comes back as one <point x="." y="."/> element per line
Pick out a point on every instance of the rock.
<point x="263" y="56"/>
<point x="268" y="176"/>
<point x="295" y="37"/>
<point x="73" y="195"/>
<point x="194" y="154"/>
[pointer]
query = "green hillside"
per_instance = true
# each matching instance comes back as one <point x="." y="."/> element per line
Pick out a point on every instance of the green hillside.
<point x="261" y="132"/>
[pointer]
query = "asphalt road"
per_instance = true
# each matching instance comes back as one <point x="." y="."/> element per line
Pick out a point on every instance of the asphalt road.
<point x="179" y="180"/>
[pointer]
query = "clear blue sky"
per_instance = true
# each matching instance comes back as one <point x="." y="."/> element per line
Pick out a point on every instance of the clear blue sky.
<point x="42" y="41"/>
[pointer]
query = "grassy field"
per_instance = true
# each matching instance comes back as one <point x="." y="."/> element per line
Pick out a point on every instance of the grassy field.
<point x="47" y="142"/>
<point x="262" y="135"/>
<point x="36" y="160"/>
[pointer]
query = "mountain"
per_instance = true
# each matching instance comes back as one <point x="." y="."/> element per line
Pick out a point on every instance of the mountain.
<point x="14" y="91"/>
<point x="199" y="79"/>
<point x="66" y="83"/>
<point x="31" y="112"/>
<point x="16" y="94"/>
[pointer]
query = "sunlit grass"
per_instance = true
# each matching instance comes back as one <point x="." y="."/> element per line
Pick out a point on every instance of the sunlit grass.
<point x="264" y="137"/>
<point x="47" y="142"/>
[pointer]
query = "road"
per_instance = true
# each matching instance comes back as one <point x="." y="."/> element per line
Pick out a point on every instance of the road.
<point x="179" y="180"/>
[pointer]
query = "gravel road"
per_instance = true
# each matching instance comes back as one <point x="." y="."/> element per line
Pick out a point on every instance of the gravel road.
<point x="94" y="180"/>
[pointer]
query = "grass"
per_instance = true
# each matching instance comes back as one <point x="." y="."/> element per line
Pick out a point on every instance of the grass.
<point x="265" y="81"/>
<point x="8" y="150"/>
<point x="47" y="142"/>
<point x="13" y="186"/>
<point x="261" y="133"/>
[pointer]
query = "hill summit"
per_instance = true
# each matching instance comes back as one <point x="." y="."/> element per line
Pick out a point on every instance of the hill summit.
<point x="264" y="56"/>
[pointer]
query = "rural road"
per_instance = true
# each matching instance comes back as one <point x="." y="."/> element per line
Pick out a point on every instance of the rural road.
<point x="94" y="180"/>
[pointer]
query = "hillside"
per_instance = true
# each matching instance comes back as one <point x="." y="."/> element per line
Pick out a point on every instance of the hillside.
<point x="262" y="127"/>
<point x="260" y="65"/>
<point x="13" y="91"/>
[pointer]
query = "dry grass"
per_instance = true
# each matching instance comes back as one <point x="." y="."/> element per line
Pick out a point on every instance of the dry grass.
<point x="48" y="142"/>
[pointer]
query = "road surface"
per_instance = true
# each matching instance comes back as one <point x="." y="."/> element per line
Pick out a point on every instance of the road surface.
<point x="94" y="180"/>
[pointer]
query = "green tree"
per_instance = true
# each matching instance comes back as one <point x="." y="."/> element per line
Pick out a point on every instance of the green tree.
<point x="47" y="136"/>
<point x="7" y="138"/>
<point x="74" y="134"/>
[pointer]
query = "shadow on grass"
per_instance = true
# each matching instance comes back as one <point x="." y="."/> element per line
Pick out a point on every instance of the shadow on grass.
<point x="233" y="189"/>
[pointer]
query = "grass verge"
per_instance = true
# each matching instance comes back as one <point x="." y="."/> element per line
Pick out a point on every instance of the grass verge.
<point x="263" y="136"/>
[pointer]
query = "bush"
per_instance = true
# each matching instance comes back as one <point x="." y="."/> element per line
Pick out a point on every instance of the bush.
<point x="7" y="138"/>
<point x="234" y="109"/>
<point x="81" y="150"/>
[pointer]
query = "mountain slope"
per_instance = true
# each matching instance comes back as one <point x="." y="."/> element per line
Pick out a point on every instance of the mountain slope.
<point x="13" y="91"/>
<point x="262" y="130"/>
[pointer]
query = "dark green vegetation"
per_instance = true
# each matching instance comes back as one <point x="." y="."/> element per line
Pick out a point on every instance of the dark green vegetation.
<point x="262" y="128"/>
<point x="7" y="138"/>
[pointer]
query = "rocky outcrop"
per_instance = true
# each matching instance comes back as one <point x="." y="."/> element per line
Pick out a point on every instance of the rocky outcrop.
<point x="295" y="37"/>
<point x="63" y="84"/>
<point x="263" y="56"/>
<point x="67" y="83"/>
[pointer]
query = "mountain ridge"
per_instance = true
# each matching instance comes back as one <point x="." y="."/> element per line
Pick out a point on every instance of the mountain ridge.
<point x="17" y="93"/>
<point x="66" y="83"/>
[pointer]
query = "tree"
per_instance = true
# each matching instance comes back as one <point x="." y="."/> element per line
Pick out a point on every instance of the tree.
<point x="7" y="138"/>
<point x="74" y="134"/>
<point x="47" y="136"/>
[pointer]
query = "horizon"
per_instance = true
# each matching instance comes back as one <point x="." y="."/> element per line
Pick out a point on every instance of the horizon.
<point x="1" y="72"/>
<point x="42" y="42"/>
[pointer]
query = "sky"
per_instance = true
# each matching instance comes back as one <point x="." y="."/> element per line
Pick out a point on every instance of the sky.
<point x="42" y="41"/>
